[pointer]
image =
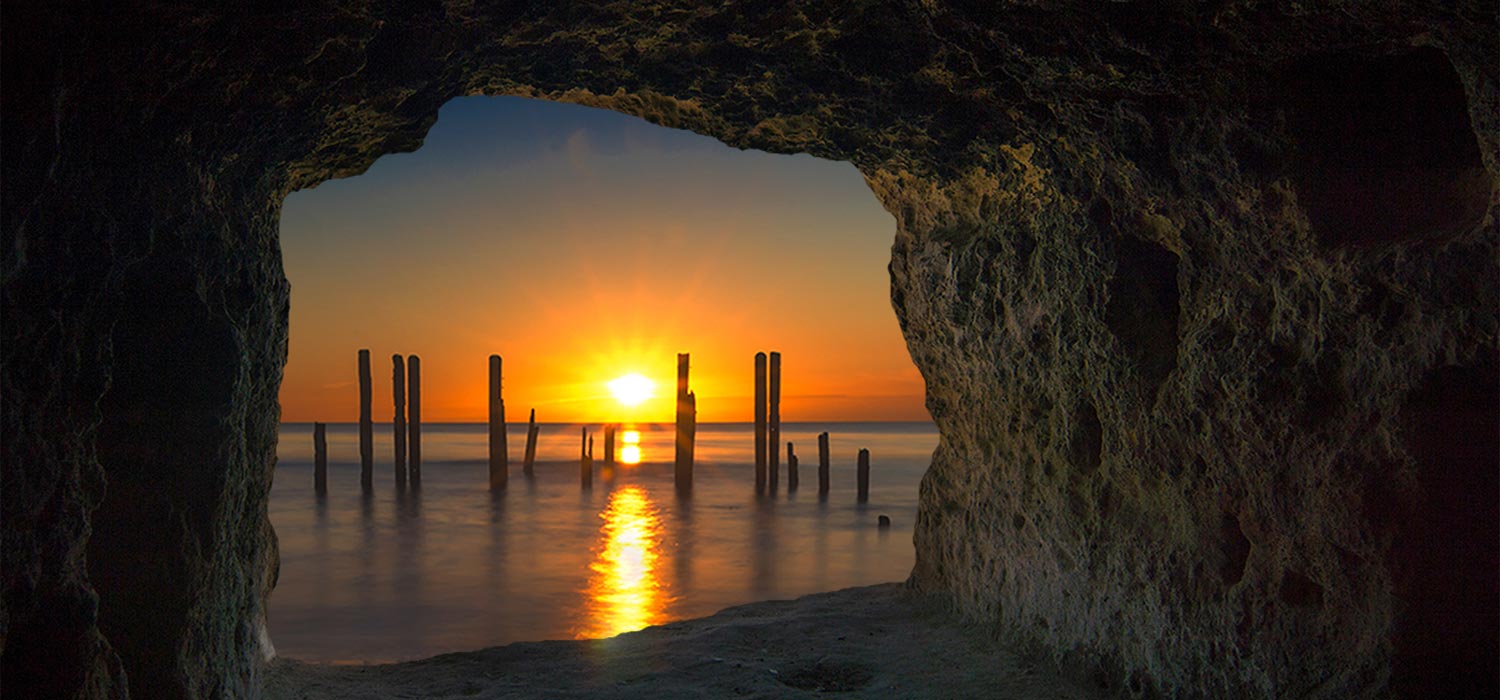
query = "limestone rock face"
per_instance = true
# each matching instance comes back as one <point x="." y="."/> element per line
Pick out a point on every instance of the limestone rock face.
<point x="1205" y="296"/>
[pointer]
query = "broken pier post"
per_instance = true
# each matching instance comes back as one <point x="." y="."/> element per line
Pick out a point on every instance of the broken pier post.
<point x="863" y="475"/>
<point x="531" y="432"/>
<point x="585" y="459"/>
<point x="823" y="465"/>
<point x="414" y="420"/>
<point x="320" y="459"/>
<point x="791" y="468"/>
<point x="687" y="426"/>
<point x="609" y="445"/>
<point x="398" y="421"/>
<point x="773" y="427"/>
<point x="760" y="423"/>
<point x="499" y="454"/>
<point x="366" y="427"/>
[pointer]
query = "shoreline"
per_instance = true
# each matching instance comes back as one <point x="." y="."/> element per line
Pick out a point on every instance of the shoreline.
<point x="868" y="642"/>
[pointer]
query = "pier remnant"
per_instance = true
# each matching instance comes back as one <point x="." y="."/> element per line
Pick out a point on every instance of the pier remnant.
<point x="760" y="423"/>
<point x="586" y="459"/>
<point x="398" y="421"/>
<point x="863" y="475"/>
<point x="320" y="459"/>
<point x="414" y="420"/>
<point x="791" y="468"/>
<point x="366" y="426"/>
<point x="687" y="426"/>
<point x="609" y="445"/>
<point x="530" y="458"/>
<point x="499" y="454"/>
<point x="823" y="465"/>
<point x="773" y="426"/>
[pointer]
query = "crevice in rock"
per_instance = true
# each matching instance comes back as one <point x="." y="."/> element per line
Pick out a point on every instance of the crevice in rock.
<point x="1445" y="555"/>
<point x="1143" y="308"/>
<point x="1235" y="548"/>
<point x="1086" y="445"/>
<point x="1385" y="153"/>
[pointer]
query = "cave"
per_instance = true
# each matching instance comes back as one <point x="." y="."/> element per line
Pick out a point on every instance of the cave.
<point x="1240" y="527"/>
<point x="1385" y="153"/>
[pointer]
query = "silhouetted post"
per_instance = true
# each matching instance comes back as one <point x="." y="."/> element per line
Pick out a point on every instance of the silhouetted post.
<point x="499" y="454"/>
<point x="609" y="445"/>
<point x="585" y="460"/>
<point x="398" y="422"/>
<point x="773" y="430"/>
<point x="760" y="423"/>
<point x="414" y="419"/>
<point x="864" y="475"/>
<point x="791" y="468"/>
<point x="531" y="432"/>
<point x="366" y="427"/>
<point x="320" y="459"/>
<point x="687" y="426"/>
<point x="822" y="465"/>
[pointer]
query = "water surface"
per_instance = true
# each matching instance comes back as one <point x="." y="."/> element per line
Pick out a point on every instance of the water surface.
<point x="408" y="575"/>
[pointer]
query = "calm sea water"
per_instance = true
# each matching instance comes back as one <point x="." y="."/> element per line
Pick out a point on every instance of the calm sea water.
<point x="449" y="568"/>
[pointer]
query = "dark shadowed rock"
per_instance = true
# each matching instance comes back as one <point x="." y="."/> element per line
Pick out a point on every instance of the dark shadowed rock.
<point x="1195" y="289"/>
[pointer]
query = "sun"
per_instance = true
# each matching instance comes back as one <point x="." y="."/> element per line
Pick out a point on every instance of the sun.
<point x="632" y="389"/>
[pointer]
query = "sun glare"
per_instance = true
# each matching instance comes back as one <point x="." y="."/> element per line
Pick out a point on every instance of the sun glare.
<point x="632" y="389"/>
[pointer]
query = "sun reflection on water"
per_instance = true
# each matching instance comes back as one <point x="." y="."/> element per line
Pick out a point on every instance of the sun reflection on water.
<point x="630" y="452"/>
<point x="624" y="593"/>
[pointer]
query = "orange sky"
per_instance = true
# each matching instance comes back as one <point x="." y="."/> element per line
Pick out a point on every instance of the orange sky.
<point x="581" y="245"/>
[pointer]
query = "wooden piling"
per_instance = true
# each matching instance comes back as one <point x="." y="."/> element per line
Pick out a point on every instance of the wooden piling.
<point x="531" y="432"/>
<point x="366" y="427"/>
<point x="687" y="426"/>
<point x="609" y="445"/>
<point x="864" y="476"/>
<point x="414" y="420"/>
<point x="760" y="422"/>
<point x="398" y="421"/>
<point x="320" y="459"/>
<point x="773" y="427"/>
<point x="585" y="460"/>
<point x="499" y="453"/>
<point x="823" y="465"/>
<point x="791" y="468"/>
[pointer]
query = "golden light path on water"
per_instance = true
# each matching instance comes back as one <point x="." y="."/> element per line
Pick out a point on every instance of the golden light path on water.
<point x="624" y="593"/>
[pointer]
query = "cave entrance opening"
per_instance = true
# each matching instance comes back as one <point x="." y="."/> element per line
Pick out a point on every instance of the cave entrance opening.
<point x="582" y="245"/>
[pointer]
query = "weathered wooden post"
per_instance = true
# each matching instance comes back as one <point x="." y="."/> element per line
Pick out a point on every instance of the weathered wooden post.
<point x="531" y="431"/>
<point x="687" y="426"/>
<point x="585" y="460"/>
<point x="864" y="475"/>
<point x="760" y="423"/>
<point x="398" y="422"/>
<point x="499" y="454"/>
<point x="366" y="427"/>
<point x="609" y="445"/>
<point x="823" y="465"/>
<point x="320" y="460"/>
<point x="414" y="419"/>
<point x="773" y="429"/>
<point x="791" y="468"/>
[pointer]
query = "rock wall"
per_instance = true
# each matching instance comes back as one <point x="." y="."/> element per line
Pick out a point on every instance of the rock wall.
<point x="1205" y="297"/>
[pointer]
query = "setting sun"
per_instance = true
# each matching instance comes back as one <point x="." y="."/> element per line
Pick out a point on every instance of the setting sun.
<point x="632" y="389"/>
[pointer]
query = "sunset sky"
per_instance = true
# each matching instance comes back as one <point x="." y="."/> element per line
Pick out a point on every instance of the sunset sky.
<point x="582" y="245"/>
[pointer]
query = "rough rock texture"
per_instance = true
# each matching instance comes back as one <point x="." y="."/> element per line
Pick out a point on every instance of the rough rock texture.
<point x="1205" y="295"/>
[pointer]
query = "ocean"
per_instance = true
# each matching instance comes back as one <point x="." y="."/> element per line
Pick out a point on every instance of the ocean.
<point x="407" y="575"/>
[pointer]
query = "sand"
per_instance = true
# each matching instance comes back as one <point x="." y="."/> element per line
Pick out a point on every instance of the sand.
<point x="872" y="642"/>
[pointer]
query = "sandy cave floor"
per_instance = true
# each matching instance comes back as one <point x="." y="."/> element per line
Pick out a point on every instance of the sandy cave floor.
<point x="873" y="642"/>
